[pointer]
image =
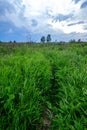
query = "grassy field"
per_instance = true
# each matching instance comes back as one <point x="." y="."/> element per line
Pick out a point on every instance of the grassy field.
<point x="43" y="86"/>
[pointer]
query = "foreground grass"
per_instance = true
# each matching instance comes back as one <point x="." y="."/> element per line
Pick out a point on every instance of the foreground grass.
<point x="43" y="86"/>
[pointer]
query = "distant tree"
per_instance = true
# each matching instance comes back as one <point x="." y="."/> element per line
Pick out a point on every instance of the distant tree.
<point x="72" y="41"/>
<point x="79" y="40"/>
<point x="48" y="38"/>
<point x="56" y="41"/>
<point x="10" y="42"/>
<point x="42" y="39"/>
<point x="14" y="41"/>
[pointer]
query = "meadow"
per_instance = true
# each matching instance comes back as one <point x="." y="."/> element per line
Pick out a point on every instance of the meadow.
<point x="43" y="86"/>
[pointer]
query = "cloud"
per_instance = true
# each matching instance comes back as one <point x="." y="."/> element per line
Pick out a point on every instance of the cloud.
<point x="84" y="4"/>
<point x="42" y="16"/>
<point x="5" y="6"/>
<point x="34" y="22"/>
<point x="76" y="1"/>
<point x="80" y="22"/>
<point x="61" y="17"/>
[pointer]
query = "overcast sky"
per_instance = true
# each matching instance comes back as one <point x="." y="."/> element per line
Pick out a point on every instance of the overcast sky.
<point x="22" y="20"/>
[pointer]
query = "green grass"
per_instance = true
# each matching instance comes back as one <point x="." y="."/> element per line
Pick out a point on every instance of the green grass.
<point x="43" y="82"/>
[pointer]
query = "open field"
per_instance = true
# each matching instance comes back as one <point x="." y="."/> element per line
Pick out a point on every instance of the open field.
<point x="43" y="86"/>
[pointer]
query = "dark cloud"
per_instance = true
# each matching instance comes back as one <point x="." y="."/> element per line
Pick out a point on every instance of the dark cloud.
<point x="80" y="22"/>
<point x="34" y="22"/>
<point x="61" y="17"/>
<point x="84" y="5"/>
<point x="76" y="1"/>
<point x="48" y="12"/>
<point x="85" y="28"/>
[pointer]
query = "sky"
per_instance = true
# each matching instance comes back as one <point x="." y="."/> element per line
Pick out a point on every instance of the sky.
<point x="28" y="20"/>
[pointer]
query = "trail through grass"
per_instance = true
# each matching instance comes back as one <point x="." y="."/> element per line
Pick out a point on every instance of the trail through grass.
<point x="43" y="86"/>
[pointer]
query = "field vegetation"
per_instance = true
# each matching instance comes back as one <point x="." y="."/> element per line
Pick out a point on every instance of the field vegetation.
<point x="43" y="86"/>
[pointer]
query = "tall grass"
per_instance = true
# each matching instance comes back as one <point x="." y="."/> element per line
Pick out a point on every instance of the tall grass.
<point x="43" y="83"/>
